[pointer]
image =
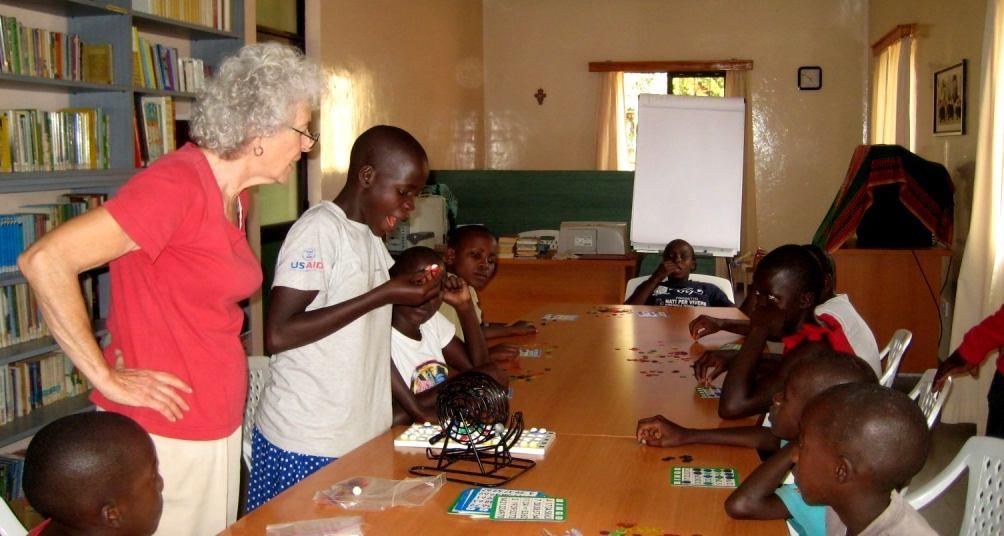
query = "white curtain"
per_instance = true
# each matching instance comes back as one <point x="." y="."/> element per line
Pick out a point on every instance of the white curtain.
<point x="981" y="278"/>
<point x="611" y="130"/>
<point x="893" y="94"/>
<point x="737" y="84"/>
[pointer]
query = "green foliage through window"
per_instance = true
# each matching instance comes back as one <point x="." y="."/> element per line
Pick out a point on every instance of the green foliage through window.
<point x="711" y="84"/>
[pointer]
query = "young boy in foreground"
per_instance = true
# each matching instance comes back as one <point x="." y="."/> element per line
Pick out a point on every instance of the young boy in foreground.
<point x="472" y="254"/>
<point x="763" y="495"/>
<point x="93" y="473"/>
<point x="857" y="445"/>
<point x="424" y="348"/>
<point x="670" y="284"/>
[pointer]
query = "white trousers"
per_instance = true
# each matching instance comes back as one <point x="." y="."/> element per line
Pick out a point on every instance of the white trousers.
<point x="201" y="484"/>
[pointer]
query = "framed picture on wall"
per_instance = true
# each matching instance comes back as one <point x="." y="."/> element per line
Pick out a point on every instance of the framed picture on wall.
<point x="950" y="100"/>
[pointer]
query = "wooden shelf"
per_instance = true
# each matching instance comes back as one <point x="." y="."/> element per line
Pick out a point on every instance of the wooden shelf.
<point x="26" y="426"/>
<point x="70" y="8"/>
<point x="37" y="181"/>
<point x="165" y="92"/>
<point x="43" y="345"/>
<point x="38" y="82"/>
<point x="178" y="28"/>
<point x="11" y="278"/>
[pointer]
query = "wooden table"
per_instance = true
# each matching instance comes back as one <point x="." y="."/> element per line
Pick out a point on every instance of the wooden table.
<point x="592" y="388"/>
<point x="592" y="396"/>
<point x="898" y="288"/>
<point x="522" y="285"/>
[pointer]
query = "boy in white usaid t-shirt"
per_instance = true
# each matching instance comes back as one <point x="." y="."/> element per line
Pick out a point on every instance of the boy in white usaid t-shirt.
<point x="424" y="342"/>
<point x="329" y="318"/>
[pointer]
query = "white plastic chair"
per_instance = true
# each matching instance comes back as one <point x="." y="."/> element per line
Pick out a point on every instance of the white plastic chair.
<point x="9" y="523"/>
<point x="984" y="458"/>
<point x="929" y="401"/>
<point x="719" y="282"/>
<point x="258" y="376"/>
<point x="892" y="354"/>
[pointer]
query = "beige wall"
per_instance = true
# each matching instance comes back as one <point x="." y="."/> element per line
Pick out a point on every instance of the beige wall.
<point x="803" y="140"/>
<point x="416" y="65"/>
<point x="947" y="33"/>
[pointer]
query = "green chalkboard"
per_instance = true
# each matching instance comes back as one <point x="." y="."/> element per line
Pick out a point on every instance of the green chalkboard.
<point x="512" y="201"/>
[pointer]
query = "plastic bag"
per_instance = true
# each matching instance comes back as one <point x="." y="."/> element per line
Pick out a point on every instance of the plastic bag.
<point x="371" y="493"/>
<point x="332" y="526"/>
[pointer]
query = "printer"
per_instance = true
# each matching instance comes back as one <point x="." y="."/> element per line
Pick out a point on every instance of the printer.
<point x="592" y="238"/>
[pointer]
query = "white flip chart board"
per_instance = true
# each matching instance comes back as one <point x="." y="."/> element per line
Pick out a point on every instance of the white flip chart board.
<point x="688" y="173"/>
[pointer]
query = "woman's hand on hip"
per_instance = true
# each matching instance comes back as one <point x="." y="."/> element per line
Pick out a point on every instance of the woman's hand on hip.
<point x="152" y="389"/>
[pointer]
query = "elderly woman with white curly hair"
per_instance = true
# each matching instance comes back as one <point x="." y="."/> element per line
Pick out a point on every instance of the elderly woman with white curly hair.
<point x="179" y="263"/>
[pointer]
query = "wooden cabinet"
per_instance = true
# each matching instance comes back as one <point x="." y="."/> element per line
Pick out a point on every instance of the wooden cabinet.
<point x="898" y="288"/>
<point x="524" y="284"/>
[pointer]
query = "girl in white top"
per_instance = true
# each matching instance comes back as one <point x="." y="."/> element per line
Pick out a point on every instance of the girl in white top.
<point x="424" y="347"/>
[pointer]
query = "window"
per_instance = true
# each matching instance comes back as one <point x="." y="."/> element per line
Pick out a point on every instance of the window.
<point x="699" y="84"/>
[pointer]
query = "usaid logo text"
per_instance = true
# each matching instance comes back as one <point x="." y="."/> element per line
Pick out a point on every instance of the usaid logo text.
<point x="307" y="264"/>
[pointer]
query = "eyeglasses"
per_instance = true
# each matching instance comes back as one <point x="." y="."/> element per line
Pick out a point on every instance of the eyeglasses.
<point x="312" y="137"/>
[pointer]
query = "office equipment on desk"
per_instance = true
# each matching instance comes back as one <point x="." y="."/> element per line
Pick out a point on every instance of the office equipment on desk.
<point x="688" y="173"/>
<point x="426" y="226"/>
<point x="592" y="238"/>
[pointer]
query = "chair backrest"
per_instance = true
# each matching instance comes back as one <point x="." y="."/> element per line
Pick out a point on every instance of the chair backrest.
<point x="892" y="354"/>
<point x="258" y="376"/>
<point x="9" y="523"/>
<point x="719" y="282"/>
<point x="984" y="458"/>
<point x="930" y="402"/>
<point x="632" y="284"/>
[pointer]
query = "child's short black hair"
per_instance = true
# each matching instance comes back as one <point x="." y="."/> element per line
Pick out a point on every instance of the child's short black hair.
<point x="823" y="367"/>
<point x="824" y="259"/>
<point x="460" y="234"/>
<point x="77" y="463"/>
<point x="678" y="242"/>
<point x="378" y="147"/>
<point x="875" y="427"/>
<point x="797" y="261"/>
<point x="414" y="259"/>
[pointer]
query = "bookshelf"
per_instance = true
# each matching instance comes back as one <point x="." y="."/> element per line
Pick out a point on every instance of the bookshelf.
<point x="95" y="22"/>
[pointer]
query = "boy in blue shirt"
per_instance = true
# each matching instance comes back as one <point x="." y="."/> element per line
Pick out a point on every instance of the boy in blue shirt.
<point x="670" y="284"/>
<point x="765" y="494"/>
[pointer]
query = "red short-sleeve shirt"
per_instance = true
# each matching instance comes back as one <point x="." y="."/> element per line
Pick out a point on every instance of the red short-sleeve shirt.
<point x="174" y="302"/>
<point x="982" y="338"/>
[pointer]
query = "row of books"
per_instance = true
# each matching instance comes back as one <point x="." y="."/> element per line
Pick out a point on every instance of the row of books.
<point x="154" y="129"/>
<point x="11" y="474"/>
<point x="159" y="66"/>
<point x="48" y="54"/>
<point x="212" y="13"/>
<point x="528" y="246"/>
<point x="37" y="382"/>
<point x="22" y="229"/>
<point x="37" y="140"/>
<point x="21" y="318"/>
